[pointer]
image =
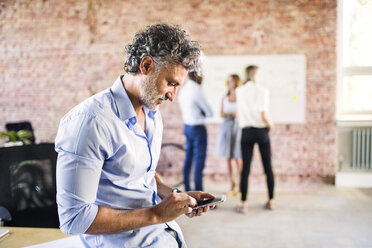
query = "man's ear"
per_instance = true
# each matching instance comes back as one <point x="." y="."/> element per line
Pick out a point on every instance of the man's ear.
<point x="147" y="65"/>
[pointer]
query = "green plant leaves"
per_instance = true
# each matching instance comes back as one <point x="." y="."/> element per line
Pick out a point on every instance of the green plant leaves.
<point x="21" y="135"/>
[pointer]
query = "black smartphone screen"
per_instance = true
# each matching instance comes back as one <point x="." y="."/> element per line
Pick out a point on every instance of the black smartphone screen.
<point x="200" y="203"/>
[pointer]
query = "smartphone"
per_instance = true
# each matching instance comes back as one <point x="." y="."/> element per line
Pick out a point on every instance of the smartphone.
<point x="210" y="202"/>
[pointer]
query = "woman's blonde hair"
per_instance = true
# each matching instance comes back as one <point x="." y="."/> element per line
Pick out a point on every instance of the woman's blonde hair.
<point x="236" y="79"/>
<point x="250" y="72"/>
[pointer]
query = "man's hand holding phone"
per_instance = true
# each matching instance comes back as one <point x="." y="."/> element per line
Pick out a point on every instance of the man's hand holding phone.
<point x="199" y="197"/>
<point x="210" y="202"/>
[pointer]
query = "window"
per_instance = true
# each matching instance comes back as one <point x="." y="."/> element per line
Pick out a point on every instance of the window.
<point x="355" y="62"/>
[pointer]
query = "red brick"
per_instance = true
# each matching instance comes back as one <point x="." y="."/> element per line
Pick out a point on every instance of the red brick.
<point x="53" y="55"/>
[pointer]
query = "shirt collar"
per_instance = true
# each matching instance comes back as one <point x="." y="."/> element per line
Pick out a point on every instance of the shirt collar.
<point x="150" y="113"/>
<point x="124" y="105"/>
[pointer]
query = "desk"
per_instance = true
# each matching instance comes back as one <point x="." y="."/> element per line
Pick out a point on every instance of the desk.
<point x="25" y="236"/>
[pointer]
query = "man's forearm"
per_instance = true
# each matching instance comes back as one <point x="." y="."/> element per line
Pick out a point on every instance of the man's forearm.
<point x="110" y="221"/>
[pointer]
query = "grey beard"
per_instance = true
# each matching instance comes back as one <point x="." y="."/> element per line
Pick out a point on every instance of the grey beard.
<point x="149" y="93"/>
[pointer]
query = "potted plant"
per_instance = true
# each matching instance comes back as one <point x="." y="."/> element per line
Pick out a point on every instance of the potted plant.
<point x="18" y="138"/>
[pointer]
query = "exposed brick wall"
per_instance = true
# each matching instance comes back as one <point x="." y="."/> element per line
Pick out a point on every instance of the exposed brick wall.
<point x="54" y="54"/>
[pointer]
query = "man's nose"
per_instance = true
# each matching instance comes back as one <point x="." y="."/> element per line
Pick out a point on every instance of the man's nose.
<point x="170" y="96"/>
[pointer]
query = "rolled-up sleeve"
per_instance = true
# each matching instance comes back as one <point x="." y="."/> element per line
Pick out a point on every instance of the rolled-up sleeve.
<point x="82" y="145"/>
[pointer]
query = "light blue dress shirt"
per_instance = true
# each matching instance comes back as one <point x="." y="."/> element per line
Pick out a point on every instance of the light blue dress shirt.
<point x="192" y="101"/>
<point x="105" y="158"/>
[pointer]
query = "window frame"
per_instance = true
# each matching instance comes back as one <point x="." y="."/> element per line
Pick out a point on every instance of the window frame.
<point x="342" y="72"/>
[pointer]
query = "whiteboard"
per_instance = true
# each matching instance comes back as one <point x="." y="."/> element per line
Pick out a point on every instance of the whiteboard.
<point x="283" y="75"/>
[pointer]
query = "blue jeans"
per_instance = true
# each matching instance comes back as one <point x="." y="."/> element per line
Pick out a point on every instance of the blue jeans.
<point x="196" y="152"/>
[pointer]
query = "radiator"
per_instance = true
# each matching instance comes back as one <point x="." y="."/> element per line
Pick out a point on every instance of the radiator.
<point x="362" y="148"/>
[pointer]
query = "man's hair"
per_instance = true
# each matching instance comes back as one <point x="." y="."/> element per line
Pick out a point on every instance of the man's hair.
<point x="250" y="73"/>
<point x="166" y="44"/>
<point x="194" y="76"/>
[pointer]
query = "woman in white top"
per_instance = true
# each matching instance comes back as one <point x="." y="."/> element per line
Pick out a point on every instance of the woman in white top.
<point x="253" y="104"/>
<point x="228" y="140"/>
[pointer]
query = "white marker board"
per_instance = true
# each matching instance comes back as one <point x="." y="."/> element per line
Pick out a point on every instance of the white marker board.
<point x="283" y="75"/>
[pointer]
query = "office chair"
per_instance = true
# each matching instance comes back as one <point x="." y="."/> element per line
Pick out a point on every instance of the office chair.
<point x="28" y="185"/>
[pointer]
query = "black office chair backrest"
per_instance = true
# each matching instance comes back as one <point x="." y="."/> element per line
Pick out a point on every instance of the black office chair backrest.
<point x="28" y="185"/>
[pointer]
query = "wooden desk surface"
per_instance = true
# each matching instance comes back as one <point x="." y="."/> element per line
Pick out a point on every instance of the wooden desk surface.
<point x="25" y="236"/>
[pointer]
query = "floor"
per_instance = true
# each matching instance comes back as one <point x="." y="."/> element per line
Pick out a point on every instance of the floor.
<point x="305" y="217"/>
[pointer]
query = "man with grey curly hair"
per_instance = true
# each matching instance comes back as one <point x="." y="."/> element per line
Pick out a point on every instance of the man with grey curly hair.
<point x="164" y="43"/>
<point x="108" y="147"/>
<point x="167" y="46"/>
